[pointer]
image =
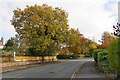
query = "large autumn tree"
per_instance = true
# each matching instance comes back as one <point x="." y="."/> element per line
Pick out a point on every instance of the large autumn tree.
<point x="41" y="26"/>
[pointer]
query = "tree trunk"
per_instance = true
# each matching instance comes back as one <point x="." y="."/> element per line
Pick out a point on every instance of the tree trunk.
<point x="42" y="58"/>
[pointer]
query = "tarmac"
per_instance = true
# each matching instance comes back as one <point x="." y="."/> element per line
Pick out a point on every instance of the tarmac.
<point x="14" y="68"/>
<point x="85" y="72"/>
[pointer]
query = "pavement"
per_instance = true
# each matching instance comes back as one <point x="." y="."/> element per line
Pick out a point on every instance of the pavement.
<point x="88" y="72"/>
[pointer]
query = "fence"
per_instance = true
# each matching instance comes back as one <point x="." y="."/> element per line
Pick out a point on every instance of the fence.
<point x="26" y="58"/>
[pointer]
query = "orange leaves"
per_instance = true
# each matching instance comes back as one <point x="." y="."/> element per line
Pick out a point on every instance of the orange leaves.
<point x="82" y="40"/>
<point x="100" y="46"/>
<point x="75" y="49"/>
<point x="64" y="51"/>
<point x="106" y="39"/>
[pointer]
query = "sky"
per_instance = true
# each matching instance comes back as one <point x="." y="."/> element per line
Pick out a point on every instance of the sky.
<point x="91" y="17"/>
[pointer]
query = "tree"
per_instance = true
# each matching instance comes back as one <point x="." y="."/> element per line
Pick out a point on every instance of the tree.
<point x="73" y="37"/>
<point x="12" y="44"/>
<point x="64" y="51"/>
<point x="106" y="39"/>
<point x="77" y="43"/>
<point x="75" y="49"/>
<point x="23" y="45"/>
<point x="88" y="46"/>
<point x="42" y="26"/>
<point x="113" y="56"/>
<point x="114" y="52"/>
<point x="73" y="41"/>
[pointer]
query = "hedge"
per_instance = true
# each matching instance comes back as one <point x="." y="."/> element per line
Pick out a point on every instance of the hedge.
<point x="63" y="56"/>
<point x="67" y="56"/>
<point x="103" y="61"/>
<point x="114" y="56"/>
<point x="75" y="56"/>
<point x="95" y="52"/>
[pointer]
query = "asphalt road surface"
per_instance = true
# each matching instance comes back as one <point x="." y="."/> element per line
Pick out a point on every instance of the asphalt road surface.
<point x="57" y="70"/>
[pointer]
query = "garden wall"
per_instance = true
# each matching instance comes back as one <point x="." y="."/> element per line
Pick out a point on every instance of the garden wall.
<point x="25" y="60"/>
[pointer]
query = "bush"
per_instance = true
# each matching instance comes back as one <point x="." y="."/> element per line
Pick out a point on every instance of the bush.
<point x="68" y="56"/>
<point x="7" y="56"/>
<point x="63" y="56"/>
<point x="87" y="55"/>
<point x="95" y="52"/>
<point x="81" y="55"/>
<point x="75" y="56"/>
<point x="114" y="56"/>
<point x="91" y="52"/>
<point x="103" y="61"/>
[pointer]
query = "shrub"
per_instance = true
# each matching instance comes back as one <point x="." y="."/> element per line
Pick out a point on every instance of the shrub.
<point x="95" y="52"/>
<point x="68" y="56"/>
<point x="63" y="56"/>
<point x="114" y="56"/>
<point x="7" y="56"/>
<point x="103" y="61"/>
<point x="81" y="55"/>
<point x="75" y="56"/>
<point x="91" y="52"/>
<point x="87" y="55"/>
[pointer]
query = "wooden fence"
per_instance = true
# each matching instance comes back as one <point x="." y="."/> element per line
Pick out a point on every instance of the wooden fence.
<point x="25" y="58"/>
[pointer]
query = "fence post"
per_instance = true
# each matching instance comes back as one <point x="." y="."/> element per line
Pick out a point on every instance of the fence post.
<point x="14" y="56"/>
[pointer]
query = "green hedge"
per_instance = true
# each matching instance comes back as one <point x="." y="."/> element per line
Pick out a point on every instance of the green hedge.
<point x="87" y="55"/>
<point x="63" y="56"/>
<point x="114" y="56"/>
<point x="103" y="61"/>
<point x="75" y="56"/>
<point x="95" y="53"/>
<point x="68" y="56"/>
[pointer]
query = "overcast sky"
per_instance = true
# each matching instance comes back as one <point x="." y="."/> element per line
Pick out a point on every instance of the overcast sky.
<point x="92" y="17"/>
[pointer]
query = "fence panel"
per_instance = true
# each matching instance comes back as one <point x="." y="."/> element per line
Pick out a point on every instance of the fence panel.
<point x="25" y="58"/>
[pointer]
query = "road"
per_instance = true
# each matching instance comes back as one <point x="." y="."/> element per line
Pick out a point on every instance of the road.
<point x="57" y="70"/>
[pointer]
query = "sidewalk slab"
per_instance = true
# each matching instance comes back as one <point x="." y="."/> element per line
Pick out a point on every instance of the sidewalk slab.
<point x="88" y="71"/>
